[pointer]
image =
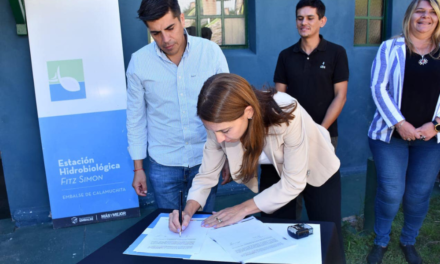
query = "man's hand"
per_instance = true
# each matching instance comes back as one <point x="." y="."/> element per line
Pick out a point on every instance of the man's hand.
<point x="140" y="183"/>
<point x="335" y="108"/>
<point x="407" y="131"/>
<point x="427" y="130"/>
<point x="173" y="223"/>
<point x="226" y="174"/>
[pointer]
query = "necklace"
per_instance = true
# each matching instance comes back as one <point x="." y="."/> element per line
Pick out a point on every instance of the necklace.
<point x="423" y="60"/>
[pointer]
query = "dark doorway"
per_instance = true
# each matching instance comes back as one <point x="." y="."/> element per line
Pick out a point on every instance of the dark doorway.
<point x="4" y="205"/>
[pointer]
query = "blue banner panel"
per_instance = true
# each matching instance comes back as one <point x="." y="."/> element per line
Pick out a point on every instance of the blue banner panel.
<point x="89" y="170"/>
<point x="81" y="99"/>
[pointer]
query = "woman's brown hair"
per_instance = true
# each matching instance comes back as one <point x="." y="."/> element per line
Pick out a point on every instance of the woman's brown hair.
<point x="225" y="96"/>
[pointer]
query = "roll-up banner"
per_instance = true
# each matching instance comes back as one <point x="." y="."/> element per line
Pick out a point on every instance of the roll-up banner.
<point x="78" y="70"/>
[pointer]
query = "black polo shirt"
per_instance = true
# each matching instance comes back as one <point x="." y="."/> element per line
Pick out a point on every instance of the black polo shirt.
<point x="311" y="78"/>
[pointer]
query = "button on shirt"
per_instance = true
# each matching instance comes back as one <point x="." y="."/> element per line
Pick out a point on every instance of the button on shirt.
<point x="311" y="78"/>
<point x="162" y="102"/>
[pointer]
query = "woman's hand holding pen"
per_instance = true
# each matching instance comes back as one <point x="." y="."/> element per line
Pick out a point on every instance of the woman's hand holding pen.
<point x="190" y="209"/>
<point x="174" y="224"/>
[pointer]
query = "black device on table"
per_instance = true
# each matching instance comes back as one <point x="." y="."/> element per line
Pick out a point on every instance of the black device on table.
<point x="300" y="230"/>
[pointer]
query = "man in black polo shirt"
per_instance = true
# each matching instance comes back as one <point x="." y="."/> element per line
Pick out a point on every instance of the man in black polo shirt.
<point x="315" y="72"/>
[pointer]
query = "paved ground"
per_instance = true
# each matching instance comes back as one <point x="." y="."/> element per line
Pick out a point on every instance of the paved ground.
<point x="43" y="244"/>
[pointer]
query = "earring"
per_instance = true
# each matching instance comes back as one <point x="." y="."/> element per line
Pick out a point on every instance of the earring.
<point x="250" y="118"/>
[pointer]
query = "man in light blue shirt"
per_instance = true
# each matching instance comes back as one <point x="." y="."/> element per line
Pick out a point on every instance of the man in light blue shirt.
<point x="164" y="80"/>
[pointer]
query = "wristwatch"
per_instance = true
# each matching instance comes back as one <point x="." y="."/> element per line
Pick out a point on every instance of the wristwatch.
<point x="436" y="126"/>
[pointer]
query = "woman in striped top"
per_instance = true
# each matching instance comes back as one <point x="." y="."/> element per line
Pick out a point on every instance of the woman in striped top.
<point x="404" y="134"/>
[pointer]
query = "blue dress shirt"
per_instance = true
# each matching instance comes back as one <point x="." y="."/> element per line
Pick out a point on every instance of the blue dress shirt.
<point x="162" y="102"/>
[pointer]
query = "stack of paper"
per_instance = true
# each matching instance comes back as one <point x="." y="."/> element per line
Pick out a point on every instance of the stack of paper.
<point x="247" y="241"/>
<point x="162" y="240"/>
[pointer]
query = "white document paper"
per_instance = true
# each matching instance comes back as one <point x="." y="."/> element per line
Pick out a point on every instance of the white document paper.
<point x="147" y="231"/>
<point x="307" y="251"/>
<point x="161" y="240"/>
<point x="249" y="240"/>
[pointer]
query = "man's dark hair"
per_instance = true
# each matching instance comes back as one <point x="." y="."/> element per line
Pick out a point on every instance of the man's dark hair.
<point x="320" y="7"/>
<point x="151" y="10"/>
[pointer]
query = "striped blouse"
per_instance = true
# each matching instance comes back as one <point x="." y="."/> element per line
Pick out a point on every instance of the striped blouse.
<point x="386" y="85"/>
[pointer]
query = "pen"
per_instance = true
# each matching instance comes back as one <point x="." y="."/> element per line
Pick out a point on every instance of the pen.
<point x="180" y="213"/>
